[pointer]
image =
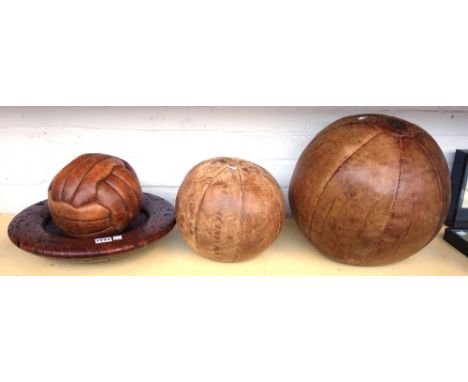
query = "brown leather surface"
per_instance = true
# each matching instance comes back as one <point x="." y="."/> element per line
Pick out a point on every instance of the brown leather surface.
<point x="229" y="209"/>
<point x="370" y="190"/>
<point x="94" y="195"/>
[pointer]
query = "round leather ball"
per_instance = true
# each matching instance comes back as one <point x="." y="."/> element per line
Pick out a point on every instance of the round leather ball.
<point x="370" y="190"/>
<point x="229" y="209"/>
<point x="94" y="195"/>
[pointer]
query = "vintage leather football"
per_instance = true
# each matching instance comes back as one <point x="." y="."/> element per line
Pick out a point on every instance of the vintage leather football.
<point x="370" y="190"/>
<point x="94" y="195"/>
<point x="229" y="209"/>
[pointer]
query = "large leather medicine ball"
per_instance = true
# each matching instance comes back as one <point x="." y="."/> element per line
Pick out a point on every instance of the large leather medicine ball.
<point x="229" y="209"/>
<point x="370" y="190"/>
<point x="94" y="195"/>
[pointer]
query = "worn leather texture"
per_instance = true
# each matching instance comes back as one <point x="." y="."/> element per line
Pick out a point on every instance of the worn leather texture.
<point x="94" y="195"/>
<point x="370" y="190"/>
<point x="229" y="209"/>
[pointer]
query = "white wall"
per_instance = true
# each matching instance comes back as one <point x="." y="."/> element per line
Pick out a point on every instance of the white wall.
<point x="163" y="143"/>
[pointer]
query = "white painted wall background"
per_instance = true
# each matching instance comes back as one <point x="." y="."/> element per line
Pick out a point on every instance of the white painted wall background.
<point x="163" y="143"/>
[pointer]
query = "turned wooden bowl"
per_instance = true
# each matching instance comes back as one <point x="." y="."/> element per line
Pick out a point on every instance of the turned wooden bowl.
<point x="33" y="230"/>
<point x="370" y="189"/>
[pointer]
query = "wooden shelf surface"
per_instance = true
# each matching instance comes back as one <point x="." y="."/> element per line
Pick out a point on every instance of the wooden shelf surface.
<point x="291" y="254"/>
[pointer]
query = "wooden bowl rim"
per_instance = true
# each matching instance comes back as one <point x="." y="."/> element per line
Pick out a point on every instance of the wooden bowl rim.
<point x="27" y="231"/>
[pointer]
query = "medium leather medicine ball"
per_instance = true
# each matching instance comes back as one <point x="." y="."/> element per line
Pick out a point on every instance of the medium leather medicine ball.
<point x="370" y="190"/>
<point x="229" y="209"/>
<point x="94" y="195"/>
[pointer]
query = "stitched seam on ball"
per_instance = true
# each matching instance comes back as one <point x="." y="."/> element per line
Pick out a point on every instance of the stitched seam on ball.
<point x="128" y="167"/>
<point x="197" y="216"/>
<point x="108" y="218"/>
<point x="365" y="219"/>
<point x="404" y="236"/>
<point x="70" y="171"/>
<point x="278" y="206"/>
<point x="439" y="186"/>
<point x="65" y="177"/>
<point x="239" y="241"/>
<point x="391" y="211"/>
<point x="84" y="176"/>
<point x="110" y="214"/>
<point x="81" y="221"/>
<point x="129" y="185"/>
<point x="91" y="234"/>
<point x="326" y="216"/>
<point x="315" y="145"/>
<point x="343" y="162"/>
<point x="120" y="196"/>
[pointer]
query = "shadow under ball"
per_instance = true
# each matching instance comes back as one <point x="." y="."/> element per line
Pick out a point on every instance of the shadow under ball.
<point x="229" y="209"/>
<point x="94" y="195"/>
<point x="370" y="190"/>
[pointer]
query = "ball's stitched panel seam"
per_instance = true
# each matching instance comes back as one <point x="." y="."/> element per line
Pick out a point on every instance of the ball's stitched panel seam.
<point x="81" y="221"/>
<point x="84" y="176"/>
<point x="239" y="234"/>
<point x="117" y="191"/>
<point x="404" y="236"/>
<point x="278" y="203"/>
<point x="197" y="216"/>
<point x="318" y="145"/>
<point x="343" y="162"/>
<point x="73" y="169"/>
<point x="371" y="209"/>
<point x="101" y="181"/>
<point x="97" y="232"/>
<point x="391" y="211"/>
<point x="123" y="187"/>
<point x="65" y="176"/>
<point x="129" y="185"/>
<point x="330" y="206"/>
<point x="91" y="234"/>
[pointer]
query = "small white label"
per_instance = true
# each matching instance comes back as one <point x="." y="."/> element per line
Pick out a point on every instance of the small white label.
<point x="107" y="239"/>
<point x="101" y="240"/>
